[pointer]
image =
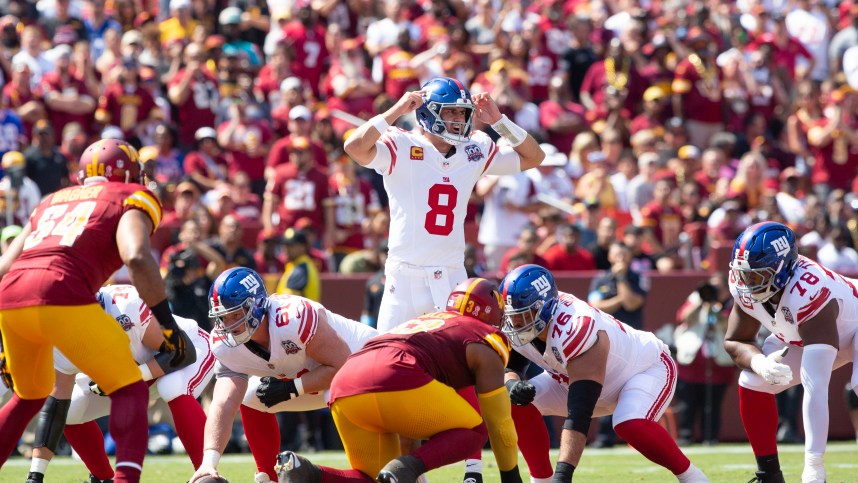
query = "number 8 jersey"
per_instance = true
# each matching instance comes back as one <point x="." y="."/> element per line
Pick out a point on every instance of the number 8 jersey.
<point x="429" y="192"/>
<point x="71" y="250"/>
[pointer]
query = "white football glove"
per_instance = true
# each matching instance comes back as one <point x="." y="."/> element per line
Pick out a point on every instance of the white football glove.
<point x="770" y="367"/>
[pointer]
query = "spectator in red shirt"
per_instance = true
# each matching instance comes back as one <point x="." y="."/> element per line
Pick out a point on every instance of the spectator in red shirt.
<point x="697" y="96"/>
<point x="566" y="255"/>
<point x="662" y="218"/>
<point x="349" y="85"/>
<point x="269" y="259"/>
<point x="561" y="118"/>
<point x="617" y="70"/>
<point x="66" y="96"/>
<point x="18" y="96"/>
<point x="298" y="189"/>
<point x="246" y="139"/>
<point x="786" y="49"/>
<point x="306" y="37"/>
<point x="206" y="166"/>
<point x="128" y="105"/>
<point x="247" y="205"/>
<point x="300" y="126"/>
<point x="290" y="95"/>
<point x="393" y="67"/>
<point x="525" y="247"/>
<point x="352" y="200"/>
<point x="653" y="115"/>
<point x="194" y="93"/>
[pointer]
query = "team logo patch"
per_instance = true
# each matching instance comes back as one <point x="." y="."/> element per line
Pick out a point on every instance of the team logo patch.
<point x="474" y="153"/>
<point x="556" y="353"/>
<point x="125" y="322"/>
<point x="290" y="347"/>
<point x="780" y="246"/>
<point x="437" y="274"/>
<point x="417" y="153"/>
<point x="788" y="315"/>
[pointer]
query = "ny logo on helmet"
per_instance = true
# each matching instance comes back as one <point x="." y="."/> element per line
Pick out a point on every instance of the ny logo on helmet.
<point x="781" y="246"/>
<point x="249" y="282"/>
<point x="541" y="285"/>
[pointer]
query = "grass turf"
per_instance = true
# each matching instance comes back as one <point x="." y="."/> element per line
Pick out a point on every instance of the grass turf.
<point x="723" y="463"/>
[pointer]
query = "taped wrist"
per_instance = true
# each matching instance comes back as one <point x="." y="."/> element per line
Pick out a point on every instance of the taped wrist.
<point x="580" y="403"/>
<point x="510" y="131"/>
<point x="164" y="358"/>
<point x="211" y="457"/>
<point x="563" y="472"/>
<point x="52" y="421"/>
<point x="496" y="409"/>
<point x="161" y="311"/>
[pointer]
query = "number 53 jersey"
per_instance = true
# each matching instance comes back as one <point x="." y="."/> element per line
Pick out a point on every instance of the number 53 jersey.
<point x="808" y="291"/>
<point x="71" y="250"/>
<point x="429" y="192"/>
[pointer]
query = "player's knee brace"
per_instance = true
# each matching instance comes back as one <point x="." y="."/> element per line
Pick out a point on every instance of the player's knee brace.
<point x="52" y="421"/>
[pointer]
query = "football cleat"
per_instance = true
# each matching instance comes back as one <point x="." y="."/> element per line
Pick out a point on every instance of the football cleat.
<point x="293" y="468"/>
<point x="93" y="479"/>
<point x="763" y="477"/>
<point x="35" y="477"/>
<point x="405" y="469"/>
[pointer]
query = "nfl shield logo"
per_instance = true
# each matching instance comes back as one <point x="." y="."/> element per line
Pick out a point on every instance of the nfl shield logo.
<point x="437" y="274"/>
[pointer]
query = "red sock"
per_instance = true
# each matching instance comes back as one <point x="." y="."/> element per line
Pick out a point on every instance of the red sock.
<point x="129" y="427"/>
<point x="263" y="437"/>
<point x="759" y="412"/>
<point x="333" y="475"/>
<point x="654" y="442"/>
<point x="15" y="415"/>
<point x="451" y="446"/>
<point x="190" y="421"/>
<point x="88" y="442"/>
<point x="470" y="394"/>
<point x="533" y="440"/>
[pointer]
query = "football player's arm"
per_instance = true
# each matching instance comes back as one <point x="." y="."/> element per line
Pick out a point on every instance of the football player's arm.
<point x="521" y="392"/>
<point x="525" y="145"/>
<point x="741" y="336"/>
<point x="227" y="397"/>
<point x="14" y="250"/>
<point x="488" y="368"/>
<point x="328" y="349"/>
<point x="132" y="240"/>
<point x="361" y="146"/>
<point x="269" y="201"/>
<point x="586" y="376"/>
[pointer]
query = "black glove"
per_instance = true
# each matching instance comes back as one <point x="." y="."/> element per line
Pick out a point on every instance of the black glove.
<point x="93" y="387"/>
<point x="272" y="391"/>
<point x="511" y="476"/>
<point x="176" y="341"/>
<point x="521" y="393"/>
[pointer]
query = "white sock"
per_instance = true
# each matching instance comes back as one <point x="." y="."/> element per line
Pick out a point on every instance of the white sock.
<point x="692" y="475"/>
<point x="473" y="466"/>
<point x="540" y="480"/>
<point x="39" y="465"/>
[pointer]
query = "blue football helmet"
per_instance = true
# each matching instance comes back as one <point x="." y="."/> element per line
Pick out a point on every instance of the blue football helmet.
<point x="764" y="259"/>
<point x="237" y="289"/>
<point x="530" y="297"/>
<point x="440" y="93"/>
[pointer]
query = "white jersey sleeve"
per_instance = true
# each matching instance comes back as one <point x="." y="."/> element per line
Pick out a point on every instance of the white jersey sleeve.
<point x="505" y="161"/>
<point x="123" y="303"/>
<point x="385" y="152"/>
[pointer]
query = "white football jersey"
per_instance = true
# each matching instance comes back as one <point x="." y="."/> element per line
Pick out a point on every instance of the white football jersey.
<point x="809" y="290"/>
<point x="123" y="303"/>
<point x="573" y="330"/>
<point x="429" y="193"/>
<point x="292" y="322"/>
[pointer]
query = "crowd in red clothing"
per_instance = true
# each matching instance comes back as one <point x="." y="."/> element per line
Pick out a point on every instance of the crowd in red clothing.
<point x="683" y="121"/>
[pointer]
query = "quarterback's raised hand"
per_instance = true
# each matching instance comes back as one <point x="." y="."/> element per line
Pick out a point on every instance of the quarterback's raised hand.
<point x="770" y="367"/>
<point x="408" y="103"/>
<point x="273" y="391"/>
<point x="487" y="109"/>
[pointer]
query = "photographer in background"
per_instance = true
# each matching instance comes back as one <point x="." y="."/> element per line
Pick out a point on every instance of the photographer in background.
<point x="705" y="368"/>
<point x="188" y="268"/>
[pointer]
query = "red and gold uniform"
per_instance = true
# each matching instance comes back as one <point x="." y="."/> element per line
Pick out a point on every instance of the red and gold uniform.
<point x="124" y="109"/>
<point x="48" y="299"/>
<point x="664" y="220"/>
<point x="301" y="195"/>
<point x="197" y="110"/>
<point x="699" y="85"/>
<point x="53" y="82"/>
<point x="386" y="386"/>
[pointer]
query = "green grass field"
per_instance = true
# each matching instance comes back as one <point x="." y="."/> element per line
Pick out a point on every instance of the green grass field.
<point x="725" y="463"/>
